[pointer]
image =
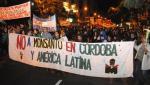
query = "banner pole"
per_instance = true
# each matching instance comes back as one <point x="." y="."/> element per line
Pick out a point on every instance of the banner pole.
<point x="30" y="19"/>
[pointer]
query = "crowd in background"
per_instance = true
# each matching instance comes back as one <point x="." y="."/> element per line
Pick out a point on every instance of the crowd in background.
<point x="91" y="34"/>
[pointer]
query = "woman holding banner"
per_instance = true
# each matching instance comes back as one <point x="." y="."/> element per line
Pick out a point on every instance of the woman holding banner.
<point x="146" y="60"/>
<point x="139" y="80"/>
<point x="140" y="62"/>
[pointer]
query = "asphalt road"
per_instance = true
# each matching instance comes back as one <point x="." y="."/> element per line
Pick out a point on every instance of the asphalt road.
<point x="15" y="73"/>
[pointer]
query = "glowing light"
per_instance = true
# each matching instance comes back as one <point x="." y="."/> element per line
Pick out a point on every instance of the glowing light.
<point x="85" y="8"/>
<point x="69" y="20"/>
<point x="65" y="4"/>
<point x="32" y="3"/>
<point x="95" y="14"/>
<point x="75" y="11"/>
<point x="73" y="6"/>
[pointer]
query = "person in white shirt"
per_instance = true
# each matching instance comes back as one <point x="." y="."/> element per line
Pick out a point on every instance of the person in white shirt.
<point x="140" y="55"/>
<point x="63" y="36"/>
<point x="46" y="34"/>
<point x="146" y="63"/>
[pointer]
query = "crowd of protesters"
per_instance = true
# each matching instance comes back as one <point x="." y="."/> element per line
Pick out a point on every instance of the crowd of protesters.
<point x="90" y="34"/>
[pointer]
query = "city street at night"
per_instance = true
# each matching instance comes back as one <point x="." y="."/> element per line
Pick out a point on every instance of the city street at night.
<point x="74" y="42"/>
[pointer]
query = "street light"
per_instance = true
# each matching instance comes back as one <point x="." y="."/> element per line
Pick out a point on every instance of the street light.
<point x="95" y="14"/>
<point x="73" y="6"/>
<point x="66" y="6"/>
<point x="95" y="17"/>
<point x="32" y="3"/>
<point x="98" y="16"/>
<point x="85" y="8"/>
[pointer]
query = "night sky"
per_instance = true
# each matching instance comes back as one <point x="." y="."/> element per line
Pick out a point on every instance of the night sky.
<point x="102" y="6"/>
<point x="99" y="6"/>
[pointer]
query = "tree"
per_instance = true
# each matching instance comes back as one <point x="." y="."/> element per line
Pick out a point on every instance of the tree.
<point x="49" y="7"/>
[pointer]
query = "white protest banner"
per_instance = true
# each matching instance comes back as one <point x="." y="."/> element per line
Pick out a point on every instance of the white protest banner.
<point x="36" y="22"/>
<point x="41" y="23"/>
<point x="15" y="12"/>
<point x="111" y="60"/>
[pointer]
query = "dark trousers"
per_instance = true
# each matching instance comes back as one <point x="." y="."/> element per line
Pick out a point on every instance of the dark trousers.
<point x="146" y="74"/>
<point x="138" y="75"/>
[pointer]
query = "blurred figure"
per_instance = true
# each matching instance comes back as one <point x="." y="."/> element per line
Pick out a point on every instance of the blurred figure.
<point x="79" y="38"/>
<point x="56" y="35"/>
<point x="146" y="60"/>
<point x="85" y="36"/>
<point x="29" y="32"/>
<point x="109" y="39"/>
<point x="46" y="34"/>
<point x="4" y="42"/>
<point x="63" y="36"/>
<point x="22" y="32"/>
<point x="139" y="79"/>
<point x="95" y="37"/>
<point x="36" y="33"/>
<point x="13" y="31"/>
<point x="115" y="39"/>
